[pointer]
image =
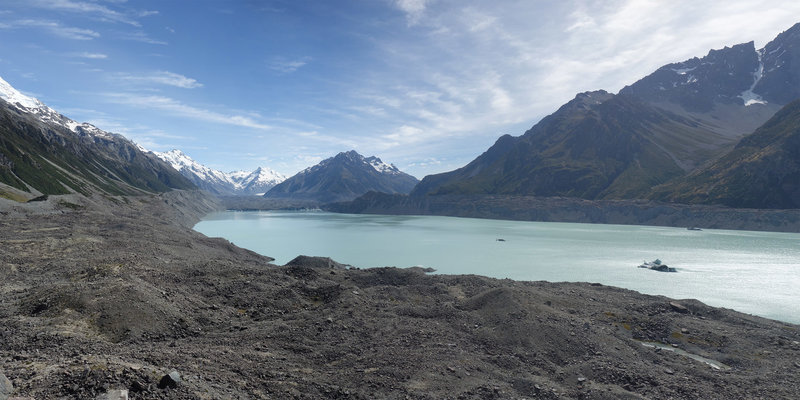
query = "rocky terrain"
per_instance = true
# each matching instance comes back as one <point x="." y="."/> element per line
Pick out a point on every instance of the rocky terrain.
<point x="106" y="297"/>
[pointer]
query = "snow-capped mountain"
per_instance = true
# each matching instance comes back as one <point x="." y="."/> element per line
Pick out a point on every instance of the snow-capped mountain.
<point x="233" y="183"/>
<point x="258" y="181"/>
<point x="34" y="106"/>
<point x="44" y="152"/>
<point x="344" y="177"/>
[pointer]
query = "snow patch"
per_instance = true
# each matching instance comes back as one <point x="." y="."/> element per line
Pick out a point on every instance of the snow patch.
<point x="683" y="71"/>
<point x="14" y="96"/>
<point x="748" y="96"/>
<point x="381" y="166"/>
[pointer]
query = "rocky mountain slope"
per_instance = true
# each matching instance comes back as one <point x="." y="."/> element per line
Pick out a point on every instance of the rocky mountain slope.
<point x="254" y="182"/>
<point x="343" y="177"/>
<point x="666" y="125"/>
<point x="44" y="152"/>
<point x="762" y="171"/>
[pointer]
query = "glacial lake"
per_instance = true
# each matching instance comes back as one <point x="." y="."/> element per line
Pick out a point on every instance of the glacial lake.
<point x="752" y="272"/>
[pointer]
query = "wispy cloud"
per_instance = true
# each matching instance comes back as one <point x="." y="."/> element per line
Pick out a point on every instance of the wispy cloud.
<point x="413" y="9"/>
<point x="91" y="56"/>
<point x="92" y="9"/>
<point x="55" y="28"/>
<point x="161" y="78"/>
<point x="288" y="66"/>
<point x="140" y="36"/>
<point x="176" y="108"/>
<point x="480" y="69"/>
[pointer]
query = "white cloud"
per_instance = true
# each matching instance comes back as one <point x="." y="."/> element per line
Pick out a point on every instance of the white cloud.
<point x="161" y="78"/>
<point x="288" y="66"/>
<point x="92" y="9"/>
<point x="414" y="9"/>
<point x="53" y="27"/>
<point x="143" y="37"/>
<point x="176" y="108"/>
<point x="473" y="68"/>
<point x="92" y="56"/>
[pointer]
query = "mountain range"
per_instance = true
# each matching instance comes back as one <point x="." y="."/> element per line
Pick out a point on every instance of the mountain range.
<point x="655" y="133"/>
<point x="256" y="182"/>
<point x="721" y="129"/>
<point x="343" y="177"/>
<point x="43" y="152"/>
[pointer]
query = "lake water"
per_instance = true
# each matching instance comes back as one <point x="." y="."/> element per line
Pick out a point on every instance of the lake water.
<point x="752" y="272"/>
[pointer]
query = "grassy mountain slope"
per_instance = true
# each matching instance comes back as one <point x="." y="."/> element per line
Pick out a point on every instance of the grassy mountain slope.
<point x="597" y="146"/>
<point x="37" y="157"/>
<point x="762" y="171"/>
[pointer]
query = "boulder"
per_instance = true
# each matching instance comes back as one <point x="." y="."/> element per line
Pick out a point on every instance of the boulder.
<point x="120" y="394"/>
<point x="6" y="388"/>
<point x="170" y="380"/>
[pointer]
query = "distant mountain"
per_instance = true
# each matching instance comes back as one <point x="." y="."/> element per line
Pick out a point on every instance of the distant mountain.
<point x="762" y="171"/>
<point x="234" y="183"/>
<point x="44" y="152"/>
<point x="344" y="177"/>
<point x="662" y="127"/>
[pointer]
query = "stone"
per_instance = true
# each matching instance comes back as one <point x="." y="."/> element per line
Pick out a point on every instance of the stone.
<point x="6" y="388"/>
<point x="120" y="394"/>
<point x="678" y="307"/>
<point x="171" y="380"/>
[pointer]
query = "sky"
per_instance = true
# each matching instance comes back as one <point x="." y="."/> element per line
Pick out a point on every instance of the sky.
<point x="427" y="85"/>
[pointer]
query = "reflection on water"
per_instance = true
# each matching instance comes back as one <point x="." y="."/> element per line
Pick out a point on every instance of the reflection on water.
<point x="754" y="272"/>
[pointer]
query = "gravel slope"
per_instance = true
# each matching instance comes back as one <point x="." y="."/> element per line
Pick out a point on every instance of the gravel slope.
<point x="99" y="295"/>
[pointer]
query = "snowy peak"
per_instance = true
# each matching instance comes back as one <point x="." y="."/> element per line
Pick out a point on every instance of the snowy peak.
<point x="14" y="96"/>
<point x="721" y="77"/>
<point x="80" y="157"/>
<point x="234" y="183"/>
<point x="779" y="82"/>
<point x="738" y="75"/>
<point x="34" y="106"/>
<point x="354" y="158"/>
<point x="256" y="182"/>
<point x="344" y="177"/>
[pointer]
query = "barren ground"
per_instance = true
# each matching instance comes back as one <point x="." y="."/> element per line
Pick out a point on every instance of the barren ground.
<point x="98" y="296"/>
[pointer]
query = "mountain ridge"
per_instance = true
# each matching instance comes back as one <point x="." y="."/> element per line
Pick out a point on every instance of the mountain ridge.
<point x="42" y="152"/>
<point x="665" y="125"/>
<point x="343" y="177"/>
<point x="255" y="182"/>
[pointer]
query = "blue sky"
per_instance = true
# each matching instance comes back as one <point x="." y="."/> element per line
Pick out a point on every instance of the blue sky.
<point x="425" y="84"/>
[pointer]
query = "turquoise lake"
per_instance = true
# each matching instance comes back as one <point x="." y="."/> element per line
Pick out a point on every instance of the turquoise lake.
<point x="753" y="272"/>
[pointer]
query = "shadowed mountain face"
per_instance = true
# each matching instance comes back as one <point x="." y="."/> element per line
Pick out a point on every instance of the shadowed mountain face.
<point x="664" y="126"/>
<point x="762" y="171"/>
<point x="596" y="146"/>
<point x="42" y="152"/>
<point x="343" y="177"/>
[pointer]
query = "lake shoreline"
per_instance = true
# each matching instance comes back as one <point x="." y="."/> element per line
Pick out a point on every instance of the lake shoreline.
<point x="723" y="268"/>
<point x="562" y="209"/>
<point x="114" y="294"/>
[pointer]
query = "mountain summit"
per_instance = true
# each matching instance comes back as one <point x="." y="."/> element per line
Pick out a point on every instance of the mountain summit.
<point x="344" y="177"/>
<point x="662" y="127"/>
<point x="44" y="152"/>
<point x="253" y="182"/>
